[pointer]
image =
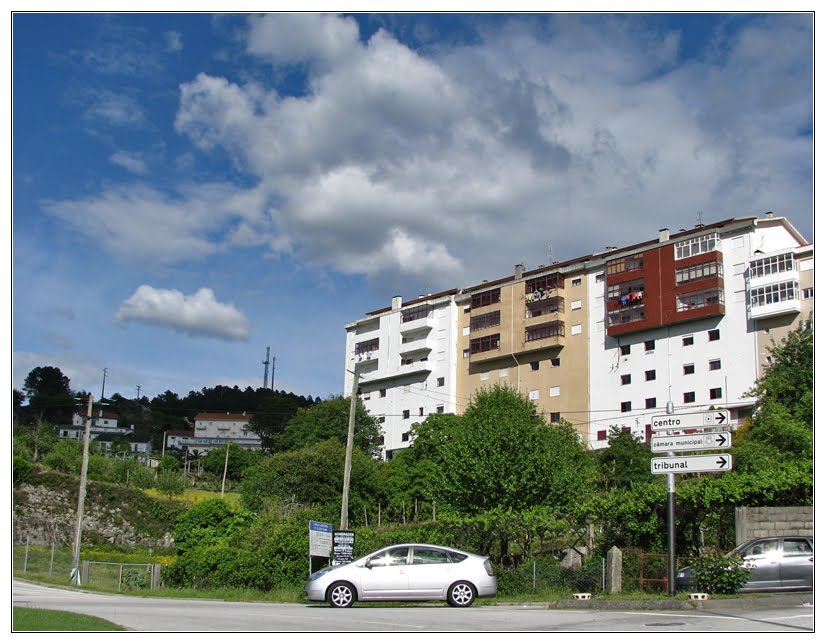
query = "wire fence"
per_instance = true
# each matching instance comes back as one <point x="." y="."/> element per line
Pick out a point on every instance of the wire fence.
<point x="55" y="561"/>
<point x="543" y="576"/>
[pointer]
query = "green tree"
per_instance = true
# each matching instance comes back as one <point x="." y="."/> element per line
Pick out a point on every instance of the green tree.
<point x="504" y="455"/>
<point x="170" y="483"/>
<point x="625" y="461"/>
<point x="313" y="474"/>
<point x="330" y="419"/>
<point x="50" y="397"/>
<point x="270" y="420"/>
<point x="237" y="460"/>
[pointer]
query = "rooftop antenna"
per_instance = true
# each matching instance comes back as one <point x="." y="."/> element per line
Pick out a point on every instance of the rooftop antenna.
<point x="699" y="217"/>
<point x="266" y="364"/>
<point x="550" y="254"/>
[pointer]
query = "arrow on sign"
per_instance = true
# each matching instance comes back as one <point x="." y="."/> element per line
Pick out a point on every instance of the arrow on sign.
<point x="722" y="439"/>
<point x="722" y="461"/>
<point x="721" y="418"/>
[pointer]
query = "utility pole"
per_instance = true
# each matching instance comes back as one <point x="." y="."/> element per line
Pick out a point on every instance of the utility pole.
<point x="139" y="392"/>
<point x="672" y="514"/>
<point x="348" y="455"/>
<point x="81" y="495"/>
<point x="103" y="386"/>
<point x="266" y="364"/>
<point x="224" y="479"/>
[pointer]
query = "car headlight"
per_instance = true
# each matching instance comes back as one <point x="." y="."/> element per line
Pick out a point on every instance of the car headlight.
<point x="319" y="573"/>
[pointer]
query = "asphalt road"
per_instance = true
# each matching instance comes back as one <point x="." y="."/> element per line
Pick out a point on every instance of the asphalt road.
<point x="185" y="615"/>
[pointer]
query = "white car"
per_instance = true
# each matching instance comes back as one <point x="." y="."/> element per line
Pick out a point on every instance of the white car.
<point x="406" y="572"/>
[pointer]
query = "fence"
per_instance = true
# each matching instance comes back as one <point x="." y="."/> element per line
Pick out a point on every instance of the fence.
<point x="56" y="561"/>
<point x="544" y="576"/>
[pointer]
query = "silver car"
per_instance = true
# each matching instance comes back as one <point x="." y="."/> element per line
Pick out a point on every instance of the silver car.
<point x="775" y="563"/>
<point x="406" y="572"/>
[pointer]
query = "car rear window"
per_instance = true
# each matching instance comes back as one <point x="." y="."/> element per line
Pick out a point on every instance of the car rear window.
<point x="797" y="547"/>
<point x="456" y="557"/>
<point x="430" y="556"/>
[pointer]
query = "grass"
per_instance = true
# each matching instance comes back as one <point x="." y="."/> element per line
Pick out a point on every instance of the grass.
<point x="39" y="619"/>
<point x="195" y="495"/>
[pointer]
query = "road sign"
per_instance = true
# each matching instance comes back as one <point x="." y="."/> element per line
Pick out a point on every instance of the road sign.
<point x="321" y="539"/>
<point x="687" y="464"/>
<point x="691" y="442"/>
<point x="715" y="418"/>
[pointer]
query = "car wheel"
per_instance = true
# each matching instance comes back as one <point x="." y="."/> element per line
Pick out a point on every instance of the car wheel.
<point x="341" y="595"/>
<point x="461" y="594"/>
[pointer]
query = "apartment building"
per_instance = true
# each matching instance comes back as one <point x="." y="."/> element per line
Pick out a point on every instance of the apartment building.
<point x="681" y="320"/>
<point x="215" y="430"/>
<point x="608" y="340"/>
<point x="528" y="331"/>
<point x="405" y="358"/>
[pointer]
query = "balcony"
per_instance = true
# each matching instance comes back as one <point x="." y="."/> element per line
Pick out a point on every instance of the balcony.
<point x="415" y="345"/>
<point x="416" y="324"/>
<point x="787" y="307"/>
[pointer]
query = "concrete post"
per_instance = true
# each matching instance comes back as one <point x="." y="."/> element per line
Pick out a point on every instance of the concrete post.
<point x="614" y="565"/>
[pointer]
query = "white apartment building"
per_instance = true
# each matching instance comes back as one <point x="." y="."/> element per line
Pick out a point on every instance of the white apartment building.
<point x="693" y="337"/>
<point x="215" y="430"/>
<point x="405" y="357"/>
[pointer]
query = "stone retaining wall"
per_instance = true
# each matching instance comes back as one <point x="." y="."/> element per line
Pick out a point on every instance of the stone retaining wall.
<point x="771" y="522"/>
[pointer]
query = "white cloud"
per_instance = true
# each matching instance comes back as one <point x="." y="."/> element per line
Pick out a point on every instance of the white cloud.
<point x="130" y="162"/>
<point x="199" y="314"/>
<point x="580" y="135"/>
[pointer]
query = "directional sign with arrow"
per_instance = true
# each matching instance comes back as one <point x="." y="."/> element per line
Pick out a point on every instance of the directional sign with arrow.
<point x="687" y="464"/>
<point x="691" y="442"/>
<point x="714" y="418"/>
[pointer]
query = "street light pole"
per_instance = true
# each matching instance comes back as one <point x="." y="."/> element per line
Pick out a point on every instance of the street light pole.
<point x="348" y="455"/>
<point x="81" y="495"/>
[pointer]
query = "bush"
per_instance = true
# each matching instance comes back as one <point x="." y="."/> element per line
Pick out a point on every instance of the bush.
<point x="719" y="573"/>
<point x="22" y="469"/>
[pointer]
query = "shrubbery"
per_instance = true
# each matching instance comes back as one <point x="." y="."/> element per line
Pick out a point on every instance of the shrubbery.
<point x="720" y="574"/>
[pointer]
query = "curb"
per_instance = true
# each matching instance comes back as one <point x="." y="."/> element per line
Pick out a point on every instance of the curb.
<point x="764" y="601"/>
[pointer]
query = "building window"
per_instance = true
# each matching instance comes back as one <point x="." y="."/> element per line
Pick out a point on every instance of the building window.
<point x="772" y="265"/>
<point x="381" y="419"/>
<point x="576" y="304"/>
<point x="577" y="281"/>
<point x="382" y="393"/>
<point x="649" y="345"/>
<point x="713" y="335"/>
<point x="626" y="315"/>
<point x="716" y="393"/>
<point x="485" y="320"/>
<point x="487" y="343"/>
<point x="537" y="308"/>
<point x="440" y="382"/>
<point x="600" y="277"/>
<point x="696" y="246"/>
<point x="602" y="434"/>
<point x="774" y="293"/>
<point x="699" y="299"/>
<point x="535" y="366"/>
<point x="576" y="329"/>
<point x="627" y="293"/>
<point x="553" y="392"/>
<point x="688" y="340"/>
<point x="533" y="394"/>
<point x="421" y="411"/>
<point x="541" y="285"/>
<point x="405" y="437"/>
<point x="625" y="379"/>
<point x="625" y="349"/>
<point x="440" y="409"/>
<point x="415" y="313"/>
<point x="556" y="416"/>
<point x="715" y="365"/>
<point x="555" y="362"/>
<point x="367" y="345"/>
<point x="484" y="298"/>
<point x="650" y="403"/>
<point x="688" y="397"/>
<point x="688" y="369"/>
<point x="698" y="272"/>
<point x="623" y="264"/>
<point x="466" y="353"/>
<point x="808" y="293"/>
<point x="542" y="331"/>
<point x="406" y="413"/>
<point x="625" y="406"/>
<point x="503" y="373"/>
<point x="651" y="374"/>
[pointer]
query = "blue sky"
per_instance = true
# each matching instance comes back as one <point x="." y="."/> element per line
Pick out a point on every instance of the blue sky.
<point x="189" y="189"/>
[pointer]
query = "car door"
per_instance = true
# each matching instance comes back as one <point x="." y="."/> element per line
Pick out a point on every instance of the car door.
<point x="429" y="572"/>
<point x="762" y="558"/>
<point x="797" y="564"/>
<point x="385" y="575"/>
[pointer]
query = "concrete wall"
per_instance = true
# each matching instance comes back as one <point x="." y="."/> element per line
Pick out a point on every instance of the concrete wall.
<point x="771" y="522"/>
